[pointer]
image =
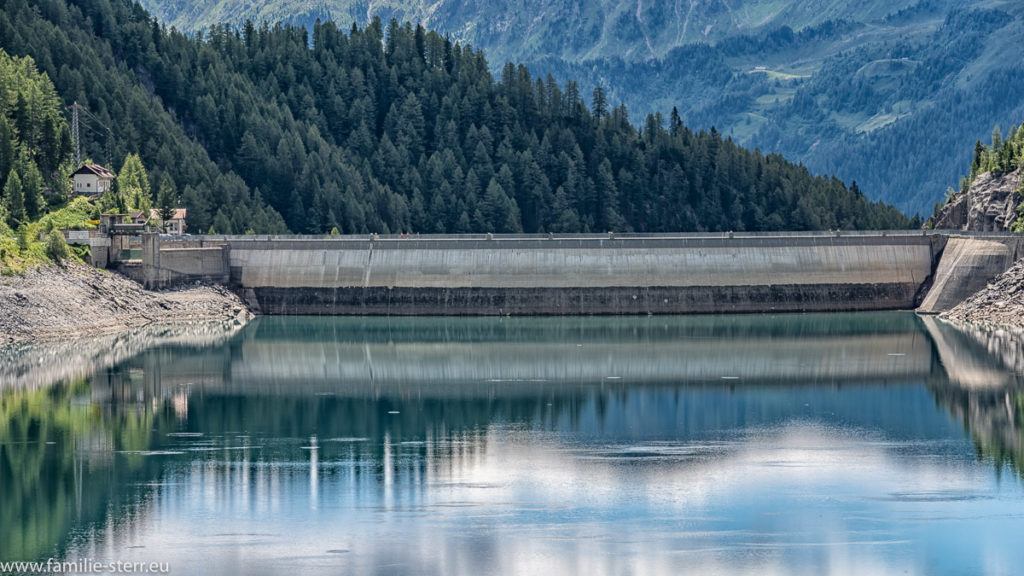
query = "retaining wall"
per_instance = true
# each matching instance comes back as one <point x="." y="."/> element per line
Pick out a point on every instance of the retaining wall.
<point x="164" y="266"/>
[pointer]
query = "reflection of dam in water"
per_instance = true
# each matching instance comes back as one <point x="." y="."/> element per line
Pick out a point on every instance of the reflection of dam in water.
<point x="360" y="357"/>
<point x="409" y="365"/>
<point x="983" y="387"/>
<point x="330" y="412"/>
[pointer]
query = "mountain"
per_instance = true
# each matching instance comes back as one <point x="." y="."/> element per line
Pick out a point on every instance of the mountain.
<point x="882" y="93"/>
<point x="524" y="30"/>
<point x="374" y="130"/>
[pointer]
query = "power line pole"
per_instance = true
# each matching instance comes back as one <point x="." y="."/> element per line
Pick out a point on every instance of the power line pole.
<point x="74" y="134"/>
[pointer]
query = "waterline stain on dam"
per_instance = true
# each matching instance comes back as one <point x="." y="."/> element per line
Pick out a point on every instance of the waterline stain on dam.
<point x="542" y="275"/>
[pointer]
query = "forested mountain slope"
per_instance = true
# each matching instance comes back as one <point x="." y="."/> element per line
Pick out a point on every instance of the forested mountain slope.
<point x="883" y="93"/>
<point x="525" y="29"/>
<point x="398" y="130"/>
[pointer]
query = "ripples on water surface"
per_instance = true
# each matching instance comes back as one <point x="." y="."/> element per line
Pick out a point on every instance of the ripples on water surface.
<point x="798" y="444"/>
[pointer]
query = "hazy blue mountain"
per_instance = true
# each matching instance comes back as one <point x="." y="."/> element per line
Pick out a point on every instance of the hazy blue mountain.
<point x="884" y="93"/>
<point x="528" y="29"/>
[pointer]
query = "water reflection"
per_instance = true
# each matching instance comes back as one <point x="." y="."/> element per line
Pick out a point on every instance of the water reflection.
<point x="866" y="443"/>
<point x="985" y="387"/>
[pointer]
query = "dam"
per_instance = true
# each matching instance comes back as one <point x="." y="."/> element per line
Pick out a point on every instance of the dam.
<point x="584" y="274"/>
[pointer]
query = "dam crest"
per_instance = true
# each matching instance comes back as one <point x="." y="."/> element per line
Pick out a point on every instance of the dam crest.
<point x="585" y="274"/>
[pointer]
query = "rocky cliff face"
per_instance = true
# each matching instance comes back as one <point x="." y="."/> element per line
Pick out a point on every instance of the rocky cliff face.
<point x="989" y="205"/>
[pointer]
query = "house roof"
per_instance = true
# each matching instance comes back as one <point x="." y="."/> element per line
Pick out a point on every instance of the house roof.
<point x="179" y="214"/>
<point x="94" y="169"/>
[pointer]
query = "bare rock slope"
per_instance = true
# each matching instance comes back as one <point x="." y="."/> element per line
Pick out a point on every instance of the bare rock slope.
<point x="77" y="300"/>
<point x="989" y="205"/>
<point x="1001" y="303"/>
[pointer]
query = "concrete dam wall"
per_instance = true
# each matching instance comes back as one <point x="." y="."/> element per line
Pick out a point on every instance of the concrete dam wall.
<point x="967" y="265"/>
<point x="518" y="275"/>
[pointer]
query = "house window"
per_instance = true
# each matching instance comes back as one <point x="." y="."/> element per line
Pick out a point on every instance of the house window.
<point x="88" y="184"/>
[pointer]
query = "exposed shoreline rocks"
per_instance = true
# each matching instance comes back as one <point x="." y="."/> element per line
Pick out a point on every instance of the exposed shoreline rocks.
<point x="78" y="301"/>
<point x="1000" y="304"/>
<point x="31" y="364"/>
<point x="75" y="300"/>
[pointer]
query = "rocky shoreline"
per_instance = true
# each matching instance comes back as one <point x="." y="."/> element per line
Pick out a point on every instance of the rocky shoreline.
<point x="76" y="300"/>
<point x="1000" y="304"/>
<point x="96" y="302"/>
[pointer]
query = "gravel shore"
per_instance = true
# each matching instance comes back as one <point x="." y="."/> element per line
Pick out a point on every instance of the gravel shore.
<point x="1001" y="303"/>
<point x="54" y="302"/>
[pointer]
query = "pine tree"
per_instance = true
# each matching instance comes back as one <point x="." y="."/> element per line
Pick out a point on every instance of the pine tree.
<point x="675" y="124"/>
<point x="134" y="184"/>
<point x="14" y="200"/>
<point x="167" y="201"/>
<point x="32" y="190"/>
<point x="608" y="198"/>
<point x="599" y="105"/>
<point x="7" y="155"/>
<point x="499" y="211"/>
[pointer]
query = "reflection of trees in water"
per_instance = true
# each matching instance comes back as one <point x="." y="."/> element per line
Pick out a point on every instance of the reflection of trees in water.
<point x="29" y="366"/>
<point x="73" y="455"/>
<point x="57" y="464"/>
<point x="983" y="388"/>
<point x="403" y="426"/>
<point x="994" y="419"/>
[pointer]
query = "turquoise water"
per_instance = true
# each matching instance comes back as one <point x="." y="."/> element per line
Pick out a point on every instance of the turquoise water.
<point x="792" y="444"/>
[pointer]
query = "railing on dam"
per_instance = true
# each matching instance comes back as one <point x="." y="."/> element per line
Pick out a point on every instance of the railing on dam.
<point x="168" y="239"/>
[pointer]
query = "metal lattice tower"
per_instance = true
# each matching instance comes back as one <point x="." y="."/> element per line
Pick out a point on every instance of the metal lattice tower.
<point x="74" y="134"/>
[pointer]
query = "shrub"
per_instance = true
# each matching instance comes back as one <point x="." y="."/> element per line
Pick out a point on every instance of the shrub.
<point x="56" y="247"/>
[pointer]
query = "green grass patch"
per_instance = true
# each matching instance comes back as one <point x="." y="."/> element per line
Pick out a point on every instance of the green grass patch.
<point x="887" y="67"/>
<point x="22" y="249"/>
<point x="780" y="97"/>
<point x="75" y="216"/>
<point x="778" y="75"/>
<point x="880" y="120"/>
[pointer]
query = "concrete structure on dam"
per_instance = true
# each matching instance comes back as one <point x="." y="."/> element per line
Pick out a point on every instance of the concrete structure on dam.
<point x="583" y="274"/>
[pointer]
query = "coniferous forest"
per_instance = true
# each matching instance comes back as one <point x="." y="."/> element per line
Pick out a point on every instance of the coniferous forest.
<point x="393" y="129"/>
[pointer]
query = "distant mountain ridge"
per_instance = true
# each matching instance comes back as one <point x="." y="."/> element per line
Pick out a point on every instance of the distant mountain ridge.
<point x="883" y="93"/>
<point x="520" y="30"/>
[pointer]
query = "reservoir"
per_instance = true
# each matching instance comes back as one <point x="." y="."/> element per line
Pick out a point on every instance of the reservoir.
<point x="862" y="443"/>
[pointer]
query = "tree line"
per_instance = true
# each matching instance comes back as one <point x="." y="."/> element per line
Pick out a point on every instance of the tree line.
<point x="398" y="129"/>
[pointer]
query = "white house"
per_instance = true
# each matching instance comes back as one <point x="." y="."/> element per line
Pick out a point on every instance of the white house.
<point x="91" y="180"/>
<point x="176" y="225"/>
